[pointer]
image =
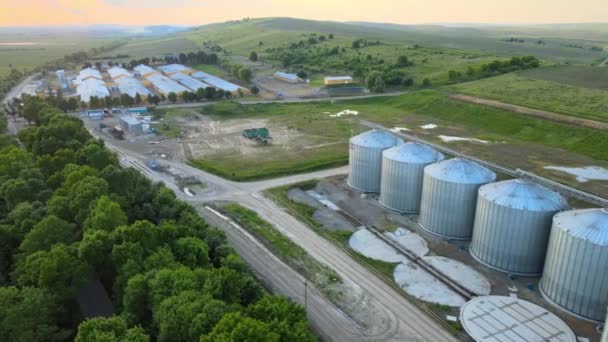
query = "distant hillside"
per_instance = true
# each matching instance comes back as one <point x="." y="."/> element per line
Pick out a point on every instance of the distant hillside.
<point x="558" y="43"/>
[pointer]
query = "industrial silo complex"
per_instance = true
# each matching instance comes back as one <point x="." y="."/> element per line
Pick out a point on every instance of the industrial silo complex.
<point x="512" y="224"/>
<point x="402" y="174"/>
<point x="365" y="159"/>
<point x="576" y="268"/>
<point x="449" y="197"/>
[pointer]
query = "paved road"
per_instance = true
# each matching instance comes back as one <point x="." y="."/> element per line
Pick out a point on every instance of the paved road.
<point x="12" y="128"/>
<point x="400" y="319"/>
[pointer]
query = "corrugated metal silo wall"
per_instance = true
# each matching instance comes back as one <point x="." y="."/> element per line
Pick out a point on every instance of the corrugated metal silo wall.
<point x="401" y="185"/>
<point x="510" y="240"/>
<point x="605" y="332"/>
<point x="448" y="208"/>
<point x="576" y="275"/>
<point x="364" y="168"/>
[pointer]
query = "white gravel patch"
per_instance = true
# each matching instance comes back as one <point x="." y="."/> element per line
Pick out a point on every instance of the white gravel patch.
<point x="345" y="112"/>
<point x="583" y="174"/>
<point x="448" y="138"/>
<point x="366" y="243"/>
<point x="461" y="273"/>
<point x="323" y="200"/>
<point x="400" y="129"/>
<point x="428" y="126"/>
<point x="410" y="241"/>
<point x="420" y="284"/>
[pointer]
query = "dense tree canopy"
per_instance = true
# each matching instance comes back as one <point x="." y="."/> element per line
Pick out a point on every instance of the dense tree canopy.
<point x="71" y="215"/>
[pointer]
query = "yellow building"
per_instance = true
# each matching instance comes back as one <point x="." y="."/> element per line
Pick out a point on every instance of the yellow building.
<point x="336" y="80"/>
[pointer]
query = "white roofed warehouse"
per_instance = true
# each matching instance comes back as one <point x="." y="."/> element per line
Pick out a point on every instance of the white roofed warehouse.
<point x="171" y="69"/>
<point x="189" y="82"/>
<point x="219" y="83"/>
<point x="165" y="85"/>
<point x="283" y="76"/>
<point x="144" y="70"/>
<point x="132" y="87"/>
<point x="91" y="87"/>
<point x="118" y="72"/>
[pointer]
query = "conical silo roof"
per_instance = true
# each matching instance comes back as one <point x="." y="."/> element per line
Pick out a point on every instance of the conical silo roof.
<point x="459" y="170"/>
<point x="524" y="195"/>
<point x="590" y="225"/>
<point x="375" y="139"/>
<point x="413" y="153"/>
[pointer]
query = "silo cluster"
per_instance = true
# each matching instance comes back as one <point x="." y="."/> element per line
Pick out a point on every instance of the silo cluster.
<point x="576" y="268"/>
<point x="402" y="175"/>
<point x="512" y="225"/>
<point x="515" y="226"/>
<point x="449" y="197"/>
<point x="365" y="159"/>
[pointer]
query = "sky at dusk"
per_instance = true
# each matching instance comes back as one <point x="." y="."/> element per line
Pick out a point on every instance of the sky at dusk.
<point x="198" y="12"/>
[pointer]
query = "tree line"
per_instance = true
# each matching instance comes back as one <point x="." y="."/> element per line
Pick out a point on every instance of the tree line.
<point x="494" y="68"/>
<point x="70" y="215"/>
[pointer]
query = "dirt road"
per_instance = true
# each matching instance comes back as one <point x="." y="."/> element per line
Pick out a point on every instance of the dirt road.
<point x="396" y="318"/>
<point x="561" y="118"/>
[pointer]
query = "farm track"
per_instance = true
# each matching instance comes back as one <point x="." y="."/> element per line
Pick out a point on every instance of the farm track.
<point x="541" y="114"/>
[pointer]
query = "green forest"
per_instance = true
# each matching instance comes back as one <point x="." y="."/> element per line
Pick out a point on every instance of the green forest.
<point x="71" y="216"/>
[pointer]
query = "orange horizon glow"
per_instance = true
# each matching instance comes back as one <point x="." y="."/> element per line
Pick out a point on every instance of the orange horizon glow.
<point x="199" y="12"/>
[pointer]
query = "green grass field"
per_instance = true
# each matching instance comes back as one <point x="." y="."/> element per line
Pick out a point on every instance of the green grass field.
<point x="547" y="90"/>
<point x="43" y="49"/>
<point x="310" y="119"/>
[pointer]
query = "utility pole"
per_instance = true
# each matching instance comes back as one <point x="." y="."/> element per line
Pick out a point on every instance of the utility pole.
<point x="306" y="296"/>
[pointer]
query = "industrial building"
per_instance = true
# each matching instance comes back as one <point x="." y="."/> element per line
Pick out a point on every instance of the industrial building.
<point x="91" y="87"/>
<point x="402" y="175"/>
<point x="190" y="82"/>
<point x="171" y="69"/>
<point x="132" y="87"/>
<point x="286" y="77"/>
<point x="575" y="277"/>
<point x="116" y="73"/>
<point x="337" y="80"/>
<point x="87" y="74"/>
<point x="165" y="85"/>
<point x="499" y="318"/>
<point x="365" y="159"/>
<point x="130" y="123"/>
<point x="62" y="80"/>
<point x="218" y="83"/>
<point x="512" y="225"/>
<point x="144" y="70"/>
<point x="449" y="197"/>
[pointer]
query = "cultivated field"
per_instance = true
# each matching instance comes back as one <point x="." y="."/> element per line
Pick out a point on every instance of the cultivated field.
<point x="536" y="89"/>
<point x="36" y="50"/>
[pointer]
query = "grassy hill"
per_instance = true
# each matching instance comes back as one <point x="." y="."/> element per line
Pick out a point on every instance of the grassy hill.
<point x="573" y="90"/>
<point x="565" y="43"/>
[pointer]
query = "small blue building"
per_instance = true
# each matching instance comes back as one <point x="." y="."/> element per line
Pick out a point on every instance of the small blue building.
<point x="96" y="114"/>
<point x="138" y="110"/>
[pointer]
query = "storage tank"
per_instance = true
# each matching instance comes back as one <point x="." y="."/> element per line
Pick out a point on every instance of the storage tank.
<point x="576" y="269"/>
<point x="365" y="159"/>
<point x="512" y="225"/>
<point x="402" y="173"/>
<point x="449" y="197"/>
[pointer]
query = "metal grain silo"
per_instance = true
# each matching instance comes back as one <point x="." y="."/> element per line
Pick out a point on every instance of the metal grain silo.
<point x="576" y="268"/>
<point x="449" y="197"/>
<point x="512" y="225"/>
<point x="402" y="173"/>
<point x="365" y="159"/>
